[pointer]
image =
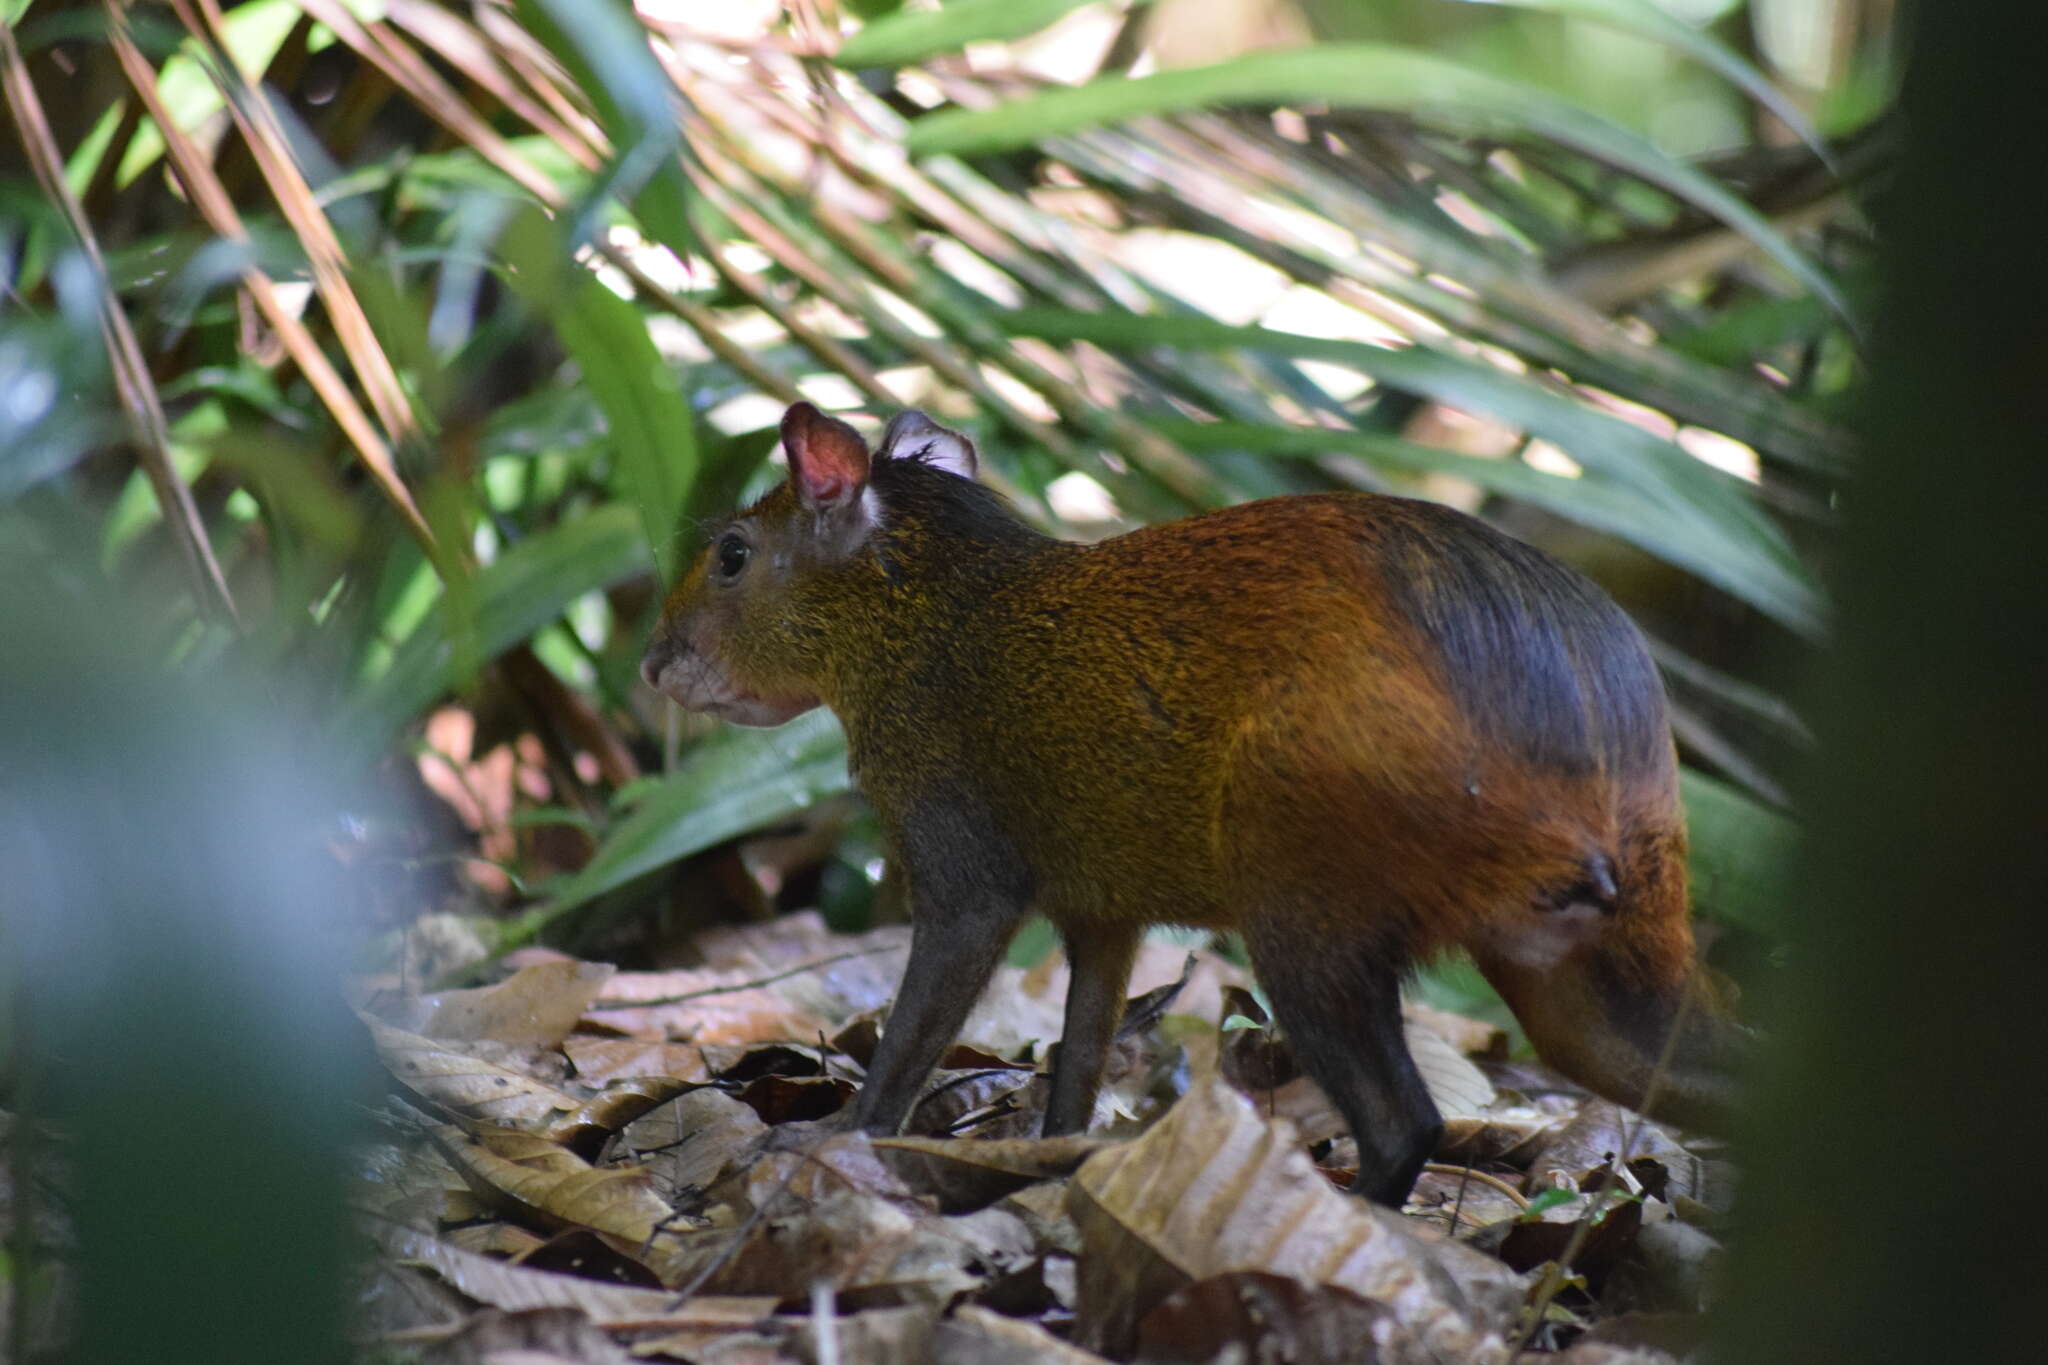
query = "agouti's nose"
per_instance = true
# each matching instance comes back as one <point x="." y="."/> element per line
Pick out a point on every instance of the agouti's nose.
<point x="650" y="668"/>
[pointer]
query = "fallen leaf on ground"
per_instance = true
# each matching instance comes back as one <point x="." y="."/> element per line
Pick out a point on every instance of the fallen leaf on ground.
<point x="970" y="1173"/>
<point x="536" y="1005"/>
<point x="467" y="1085"/>
<point x="1215" y="1187"/>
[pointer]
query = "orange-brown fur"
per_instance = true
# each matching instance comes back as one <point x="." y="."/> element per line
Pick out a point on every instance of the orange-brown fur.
<point x="1254" y="719"/>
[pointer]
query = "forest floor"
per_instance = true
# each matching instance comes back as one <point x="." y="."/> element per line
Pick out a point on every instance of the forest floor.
<point x="587" y="1164"/>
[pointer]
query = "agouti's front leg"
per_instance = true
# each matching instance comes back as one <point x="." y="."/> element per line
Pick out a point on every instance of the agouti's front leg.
<point x="955" y="944"/>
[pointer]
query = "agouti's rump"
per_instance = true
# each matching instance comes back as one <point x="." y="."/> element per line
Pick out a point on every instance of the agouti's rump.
<point x="1358" y="729"/>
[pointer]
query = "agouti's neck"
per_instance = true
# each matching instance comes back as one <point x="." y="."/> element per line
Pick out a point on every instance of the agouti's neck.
<point x="927" y="603"/>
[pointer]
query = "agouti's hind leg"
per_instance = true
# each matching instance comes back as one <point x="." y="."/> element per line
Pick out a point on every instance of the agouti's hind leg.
<point x="1341" y="1007"/>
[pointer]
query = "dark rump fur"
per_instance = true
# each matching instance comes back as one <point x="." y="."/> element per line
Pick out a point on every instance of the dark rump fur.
<point x="1541" y="661"/>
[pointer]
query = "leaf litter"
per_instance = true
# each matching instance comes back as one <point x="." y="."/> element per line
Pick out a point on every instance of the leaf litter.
<point x="595" y="1164"/>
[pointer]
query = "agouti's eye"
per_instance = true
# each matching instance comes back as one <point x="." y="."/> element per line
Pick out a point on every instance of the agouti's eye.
<point x="731" y="555"/>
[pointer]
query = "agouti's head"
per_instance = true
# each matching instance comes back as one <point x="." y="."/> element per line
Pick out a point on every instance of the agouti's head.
<point x="746" y="633"/>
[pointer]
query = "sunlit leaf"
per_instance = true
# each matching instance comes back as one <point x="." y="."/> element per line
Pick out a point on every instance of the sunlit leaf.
<point x="1364" y="76"/>
<point x="649" y="425"/>
<point x="1698" y="517"/>
<point x="913" y="35"/>
<point x="1654" y="21"/>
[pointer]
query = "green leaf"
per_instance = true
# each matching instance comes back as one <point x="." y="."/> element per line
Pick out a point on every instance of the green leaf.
<point x="1741" y="850"/>
<point x="650" y="428"/>
<point x="1640" y="487"/>
<point x="735" y="781"/>
<point x="1365" y="76"/>
<point x="525" y="589"/>
<point x="913" y="35"/>
<point x="606" y="49"/>
<point x="1654" y="22"/>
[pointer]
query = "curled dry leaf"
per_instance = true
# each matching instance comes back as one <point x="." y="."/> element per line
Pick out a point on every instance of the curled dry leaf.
<point x="997" y="1103"/>
<point x="1214" y="1187"/>
<point x="971" y="1173"/>
<point x="610" y="1109"/>
<point x="1459" y="1088"/>
<point x="505" y="1241"/>
<point x="537" y="1005"/>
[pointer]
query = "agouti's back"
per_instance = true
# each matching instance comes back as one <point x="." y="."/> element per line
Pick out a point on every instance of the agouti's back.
<point x="1358" y="729"/>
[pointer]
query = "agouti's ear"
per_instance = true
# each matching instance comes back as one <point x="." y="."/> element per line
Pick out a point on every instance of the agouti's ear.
<point x="914" y="436"/>
<point x="828" y="461"/>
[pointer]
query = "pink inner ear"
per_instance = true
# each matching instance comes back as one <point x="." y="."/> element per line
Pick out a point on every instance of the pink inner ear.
<point x="828" y="461"/>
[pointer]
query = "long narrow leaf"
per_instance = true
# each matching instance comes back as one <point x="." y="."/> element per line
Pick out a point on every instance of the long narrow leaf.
<point x="734" y="782"/>
<point x="1767" y="575"/>
<point x="912" y="35"/>
<point x="1654" y="21"/>
<point x="1364" y="76"/>
<point x="649" y="423"/>
<point x="528" y="587"/>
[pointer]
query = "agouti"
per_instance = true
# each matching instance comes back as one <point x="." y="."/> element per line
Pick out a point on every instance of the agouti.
<point x="1357" y="729"/>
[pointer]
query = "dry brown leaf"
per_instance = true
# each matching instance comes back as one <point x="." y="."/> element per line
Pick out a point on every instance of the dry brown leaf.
<point x="1251" y="1315"/>
<point x="970" y="1173"/>
<point x="1551" y="1236"/>
<point x="1471" y="1037"/>
<point x="723" y="1007"/>
<point x="998" y="1102"/>
<point x="615" y="1307"/>
<point x="598" y="1060"/>
<point x="465" y="1084"/>
<point x="1459" y="1088"/>
<point x="689" y="1141"/>
<point x="847" y="1238"/>
<point x="1578" y="1149"/>
<point x="1214" y="1187"/>
<point x="533" y="1336"/>
<point x="796" y="1099"/>
<point x="878" y="1336"/>
<point x="611" y="1109"/>
<point x="1474" y="1198"/>
<point x="815" y="1171"/>
<point x="547" y="1185"/>
<point x="1512" y="1136"/>
<point x="536" y="1005"/>
<point x="505" y="1241"/>
<point x="971" y="1335"/>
